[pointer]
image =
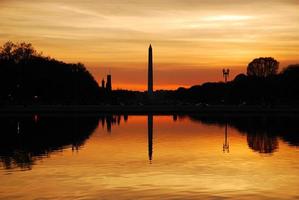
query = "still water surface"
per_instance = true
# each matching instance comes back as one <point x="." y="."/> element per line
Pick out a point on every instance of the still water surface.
<point x="149" y="157"/>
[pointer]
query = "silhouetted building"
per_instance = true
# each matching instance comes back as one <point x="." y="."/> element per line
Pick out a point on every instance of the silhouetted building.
<point x="103" y="83"/>
<point x="150" y="71"/>
<point x="109" y="83"/>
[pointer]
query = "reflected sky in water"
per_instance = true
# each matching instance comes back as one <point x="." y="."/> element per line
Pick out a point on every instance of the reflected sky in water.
<point x="149" y="157"/>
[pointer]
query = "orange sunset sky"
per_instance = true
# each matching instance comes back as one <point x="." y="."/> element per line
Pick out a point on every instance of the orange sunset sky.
<point x="192" y="39"/>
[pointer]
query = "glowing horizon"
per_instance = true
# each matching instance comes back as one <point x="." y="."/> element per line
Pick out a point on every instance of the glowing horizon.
<point x="192" y="40"/>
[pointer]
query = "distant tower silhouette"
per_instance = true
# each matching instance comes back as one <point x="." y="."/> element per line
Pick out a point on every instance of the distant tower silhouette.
<point x="109" y="83"/>
<point x="225" y="74"/>
<point x="103" y="83"/>
<point x="150" y="136"/>
<point x="150" y="71"/>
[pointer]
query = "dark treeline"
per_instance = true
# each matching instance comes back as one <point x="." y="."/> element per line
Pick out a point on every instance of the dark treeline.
<point x="27" y="77"/>
<point x="262" y="85"/>
<point x="277" y="89"/>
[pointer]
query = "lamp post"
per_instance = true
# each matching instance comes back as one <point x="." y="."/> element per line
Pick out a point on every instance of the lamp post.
<point x="225" y="74"/>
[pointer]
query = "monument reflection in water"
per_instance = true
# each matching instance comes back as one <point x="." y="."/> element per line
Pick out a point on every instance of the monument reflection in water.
<point x="152" y="157"/>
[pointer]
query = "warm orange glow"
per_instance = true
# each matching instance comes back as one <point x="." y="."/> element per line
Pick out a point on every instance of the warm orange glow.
<point x="136" y="79"/>
<point x="187" y="156"/>
<point x="185" y="34"/>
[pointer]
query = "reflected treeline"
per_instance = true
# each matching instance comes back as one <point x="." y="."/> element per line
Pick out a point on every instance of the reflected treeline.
<point x="110" y="120"/>
<point x="27" y="139"/>
<point x="262" y="131"/>
<point x="24" y="140"/>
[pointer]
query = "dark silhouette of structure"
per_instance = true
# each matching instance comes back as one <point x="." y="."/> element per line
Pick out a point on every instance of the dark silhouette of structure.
<point x="150" y="71"/>
<point x="109" y="83"/>
<point x="107" y="86"/>
<point x="150" y="136"/>
<point x="225" y="74"/>
<point x="226" y="143"/>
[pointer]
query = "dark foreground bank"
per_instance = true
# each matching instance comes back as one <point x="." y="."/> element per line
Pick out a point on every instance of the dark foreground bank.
<point x="97" y="109"/>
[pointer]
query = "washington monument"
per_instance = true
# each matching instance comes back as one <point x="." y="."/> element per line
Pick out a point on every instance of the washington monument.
<point x="150" y="71"/>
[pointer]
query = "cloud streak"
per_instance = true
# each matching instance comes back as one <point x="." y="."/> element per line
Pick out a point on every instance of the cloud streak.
<point x="198" y="33"/>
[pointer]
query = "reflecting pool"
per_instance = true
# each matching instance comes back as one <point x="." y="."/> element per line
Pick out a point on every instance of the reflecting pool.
<point x="149" y="157"/>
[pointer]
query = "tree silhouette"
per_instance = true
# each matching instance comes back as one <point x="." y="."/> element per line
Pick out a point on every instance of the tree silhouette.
<point x="28" y="77"/>
<point x="263" y="67"/>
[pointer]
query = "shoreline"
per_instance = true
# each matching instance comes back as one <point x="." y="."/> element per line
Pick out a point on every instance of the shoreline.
<point x="144" y="109"/>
